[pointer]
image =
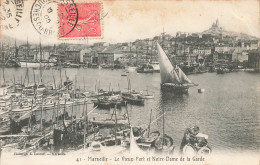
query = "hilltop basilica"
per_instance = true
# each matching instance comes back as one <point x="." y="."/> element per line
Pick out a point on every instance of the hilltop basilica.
<point x="216" y="25"/>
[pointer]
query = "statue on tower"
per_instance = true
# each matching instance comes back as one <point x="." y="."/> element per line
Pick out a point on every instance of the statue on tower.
<point x="217" y="23"/>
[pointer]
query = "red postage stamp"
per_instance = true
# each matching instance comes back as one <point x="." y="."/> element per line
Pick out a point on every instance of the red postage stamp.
<point x="82" y="22"/>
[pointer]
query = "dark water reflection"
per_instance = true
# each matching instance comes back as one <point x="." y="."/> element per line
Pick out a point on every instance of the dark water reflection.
<point x="228" y="110"/>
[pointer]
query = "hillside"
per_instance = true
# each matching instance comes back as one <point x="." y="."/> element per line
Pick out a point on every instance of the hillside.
<point x="216" y="30"/>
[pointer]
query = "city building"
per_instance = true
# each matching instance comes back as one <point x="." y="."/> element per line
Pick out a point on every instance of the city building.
<point x="106" y="58"/>
<point x="202" y="51"/>
<point x="254" y="59"/>
<point x="85" y="56"/>
<point x="191" y="59"/>
<point x="72" y="56"/>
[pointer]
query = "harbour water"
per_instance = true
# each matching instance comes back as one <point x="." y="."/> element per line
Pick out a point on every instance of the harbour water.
<point x="228" y="110"/>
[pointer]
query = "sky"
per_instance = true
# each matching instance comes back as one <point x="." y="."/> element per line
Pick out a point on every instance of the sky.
<point x="126" y="21"/>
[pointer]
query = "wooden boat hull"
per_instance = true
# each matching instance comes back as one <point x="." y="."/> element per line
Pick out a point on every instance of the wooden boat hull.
<point x="25" y="109"/>
<point x="174" y="88"/>
<point x="144" y="71"/>
<point x="109" y="122"/>
<point x="222" y="70"/>
<point x="35" y="64"/>
<point x="147" y="96"/>
<point x="133" y="101"/>
<point x="102" y="105"/>
<point x="107" y="104"/>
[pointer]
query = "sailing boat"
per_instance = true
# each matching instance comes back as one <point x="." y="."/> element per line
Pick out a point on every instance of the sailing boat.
<point x="131" y="96"/>
<point x="170" y="80"/>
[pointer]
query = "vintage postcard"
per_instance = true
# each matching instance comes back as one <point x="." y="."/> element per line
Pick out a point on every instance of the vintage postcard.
<point x="129" y="82"/>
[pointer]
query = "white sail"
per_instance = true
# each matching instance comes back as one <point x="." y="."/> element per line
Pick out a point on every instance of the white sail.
<point x="134" y="149"/>
<point x="183" y="78"/>
<point x="167" y="72"/>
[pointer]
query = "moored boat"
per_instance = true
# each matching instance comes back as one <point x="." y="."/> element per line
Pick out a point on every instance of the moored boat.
<point x="131" y="68"/>
<point x="108" y="102"/>
<point x="222" y="70"/>
<point x="146" y="68"/>
<point x="131" y="98"/>
<point x="35" y="64"/>
<point x="156" y="67"/>
<point x="109" y="122"/>
<point x="147" y="96"/>
<point x="21" y="109"/>
<point x="124" y="74"/>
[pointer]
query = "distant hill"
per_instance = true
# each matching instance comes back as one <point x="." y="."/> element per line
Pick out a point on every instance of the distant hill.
<point x="217" y="30"/>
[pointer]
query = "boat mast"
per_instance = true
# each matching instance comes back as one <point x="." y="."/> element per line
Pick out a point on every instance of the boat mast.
<point x="14" y="82"/>
<point x="163" y="38"/>
<point x="189" y="60"/>
<point x="53" y="115"/>
<point x="136" y="52"/>
<point x="41" y="113"/>
<point x="54" y="79"/>
<point x="3" y="55"/>
<point x="127" y="114"/>
<point x="27" y="55"/>
<point x="40" y="61"/>
<point x="151" y="51"/>
<point x="34" y="77"/>
<point x="184" y="48"/>
<point x="86" y="121"/>
<point x="85" y="118"/>
<point x="149" y="123"/>
<point x="175" y="45"/>
<point x="64" y="110"/>
<point x="147" y="48"/>
<point x="163" y="129"/>
<point x="96" y="86"/>
<point x="115" y="123"/>
<point x="60" y="70"/>
<point x="58" y="108"/>
<point x="73" y="98"/>
<point x="31" y="113"/>
<point x="129" y="86"/>
<point x="4" y="74"/>
<point x="16" y="51"/>
<point x="84" y="84"/>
